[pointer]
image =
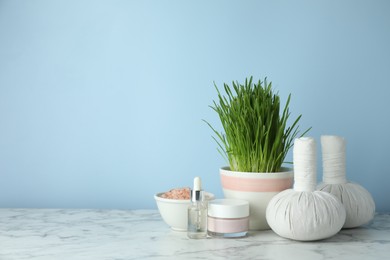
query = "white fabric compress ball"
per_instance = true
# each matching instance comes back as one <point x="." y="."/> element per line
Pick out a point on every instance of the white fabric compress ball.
<point x="303" y="213"/>
<point x="305" y="216"/>
<point x="358" y="202"/>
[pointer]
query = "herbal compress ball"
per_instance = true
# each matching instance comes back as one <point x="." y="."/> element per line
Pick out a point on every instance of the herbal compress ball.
<point x="303" y="213"/>
<point x="358" y="202"/>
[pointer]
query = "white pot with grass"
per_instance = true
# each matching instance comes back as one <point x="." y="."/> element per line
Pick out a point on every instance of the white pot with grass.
<point x="255" y="142"/>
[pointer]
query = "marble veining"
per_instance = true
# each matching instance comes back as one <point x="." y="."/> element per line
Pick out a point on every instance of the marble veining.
<point x="141" y="234"/>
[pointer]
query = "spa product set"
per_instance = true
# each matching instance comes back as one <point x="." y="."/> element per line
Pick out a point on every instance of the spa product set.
<point x="307" y="212"/>
<point x="257" y="189"/>
<point x="217" y="218"/>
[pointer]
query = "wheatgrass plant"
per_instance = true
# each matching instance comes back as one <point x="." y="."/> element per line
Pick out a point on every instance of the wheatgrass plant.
<point x="256" y="137"/>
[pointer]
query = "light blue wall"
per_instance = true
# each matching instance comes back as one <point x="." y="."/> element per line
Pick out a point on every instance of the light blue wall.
<point x="101" y="101"/>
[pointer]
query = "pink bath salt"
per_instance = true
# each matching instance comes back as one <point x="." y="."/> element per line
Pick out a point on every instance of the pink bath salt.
<point x="177" y="194"/>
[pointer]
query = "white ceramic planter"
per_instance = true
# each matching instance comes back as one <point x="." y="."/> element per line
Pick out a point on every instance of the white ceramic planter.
<point x="256" y="188"/>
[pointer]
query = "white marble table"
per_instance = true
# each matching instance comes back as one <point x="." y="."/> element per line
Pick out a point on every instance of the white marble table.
<point x="141" y="234"/>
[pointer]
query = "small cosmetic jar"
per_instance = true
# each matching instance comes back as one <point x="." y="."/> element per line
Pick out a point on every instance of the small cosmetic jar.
<point x="228" y="218"/>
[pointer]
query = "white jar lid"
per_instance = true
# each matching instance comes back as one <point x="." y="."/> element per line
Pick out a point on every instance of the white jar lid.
<point x="228" y="208"/>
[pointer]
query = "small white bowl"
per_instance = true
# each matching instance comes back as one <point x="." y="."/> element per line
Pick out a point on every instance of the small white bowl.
<point x="175" y="212"/>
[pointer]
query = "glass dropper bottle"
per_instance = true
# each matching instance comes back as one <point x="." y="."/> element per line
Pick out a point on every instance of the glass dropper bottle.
<point x="197" y="212"/>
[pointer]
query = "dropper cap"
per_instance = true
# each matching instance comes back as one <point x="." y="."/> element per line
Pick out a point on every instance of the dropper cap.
<point x="197" y="192"/>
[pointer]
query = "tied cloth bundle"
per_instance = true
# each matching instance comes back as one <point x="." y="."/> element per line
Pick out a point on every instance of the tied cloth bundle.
<point x="303" y="213"/>
<point x="358" y="202"/>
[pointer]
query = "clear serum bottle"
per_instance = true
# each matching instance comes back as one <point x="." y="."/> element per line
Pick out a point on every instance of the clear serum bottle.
<point x="197" y="212"/>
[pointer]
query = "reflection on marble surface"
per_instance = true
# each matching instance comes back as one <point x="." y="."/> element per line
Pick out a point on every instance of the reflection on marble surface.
<point x="141" y="234"/>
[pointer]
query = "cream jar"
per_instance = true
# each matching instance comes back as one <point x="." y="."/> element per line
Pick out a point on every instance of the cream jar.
<point x="228" y="218"/>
